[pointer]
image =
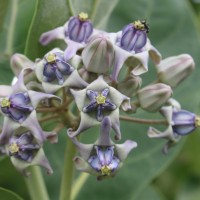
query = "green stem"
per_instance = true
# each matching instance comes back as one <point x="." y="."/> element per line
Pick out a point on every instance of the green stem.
<point x="36" y="185"/>
<point x="67" y="175"/>
<point x="78" y="185"/>
<point x="143" y="121"/>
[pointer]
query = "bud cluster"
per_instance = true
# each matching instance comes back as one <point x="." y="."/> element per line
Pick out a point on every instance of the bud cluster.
<point x="87" y="75"/>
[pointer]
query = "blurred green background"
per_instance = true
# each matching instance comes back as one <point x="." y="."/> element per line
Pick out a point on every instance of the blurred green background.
<point x="147" y="174"/>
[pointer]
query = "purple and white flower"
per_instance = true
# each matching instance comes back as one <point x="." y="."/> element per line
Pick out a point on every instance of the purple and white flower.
<point x="54" y="72"/>
<point x="18" y="105"/>
<point x="96" y="101"/>
<point x="133" y="48"/>
<point x="75" y="32"/>
<point x="103" y="158"/>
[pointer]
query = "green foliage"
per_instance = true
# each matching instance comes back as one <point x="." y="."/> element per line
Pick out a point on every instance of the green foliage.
<point x="174" y="29"/>
<point x="8" y="195"/>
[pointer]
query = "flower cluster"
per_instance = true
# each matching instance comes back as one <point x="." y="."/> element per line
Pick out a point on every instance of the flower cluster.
<point x="85" y="85"/>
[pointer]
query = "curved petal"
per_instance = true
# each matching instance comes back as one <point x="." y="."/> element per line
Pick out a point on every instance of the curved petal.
<point x="104" y="137"/>
<point x="84" y="149"/>
<point x="124" y="149"/>
<point x="39" y="159"/>
<point x="49" y="36"/>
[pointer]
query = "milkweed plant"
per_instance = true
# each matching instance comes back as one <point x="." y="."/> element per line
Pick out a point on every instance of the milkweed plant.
<point x="95" y="81"/>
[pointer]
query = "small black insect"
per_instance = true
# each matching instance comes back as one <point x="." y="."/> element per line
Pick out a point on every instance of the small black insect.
<point x="146" y="26"/>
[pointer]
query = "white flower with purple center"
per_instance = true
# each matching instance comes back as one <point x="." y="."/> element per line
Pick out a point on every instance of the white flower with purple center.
<point x="96" y="101"/>
<point x="133" y="48"/>
<point x="24" y="151"/>
<point x="103" y="158"/>
<point x="54" y="72"/>
<point x="18" y="105"/>
<point x="75" y="33"/>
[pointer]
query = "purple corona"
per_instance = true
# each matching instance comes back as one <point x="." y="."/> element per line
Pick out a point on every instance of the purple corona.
<point x="79" y="28"/>
<point x="134" y="36"/>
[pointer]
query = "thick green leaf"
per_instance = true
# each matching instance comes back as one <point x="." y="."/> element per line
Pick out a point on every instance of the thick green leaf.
<point x="8" y="195"/>
<point x="150" y="193"/>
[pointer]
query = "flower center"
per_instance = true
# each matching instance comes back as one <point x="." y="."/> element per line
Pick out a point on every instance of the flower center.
<point x="197" y="121"/>
<point x="139" y="25"/>
<point x="5" y="103"/>
<point x="13" y="148"/>
<point x="83" y="16"/>
<point x="51" y="58"/>
<point x="105" y="170"/>
<point x="100" y="99"/>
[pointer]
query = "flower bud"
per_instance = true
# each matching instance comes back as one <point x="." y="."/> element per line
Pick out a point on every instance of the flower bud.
<point x="130" y="85"/>
<point x="175" y="69"/>
<point x="79" y="28"/>
<point x="98" y="55"/>
<point x="152" y="97"/>
<point x="134" y="36"/>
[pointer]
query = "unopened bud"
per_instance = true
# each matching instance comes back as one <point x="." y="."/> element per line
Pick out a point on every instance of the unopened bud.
<point x="80" y="28"/>
<point x="130" y="85"/>
<point x="173" y="70"/>
<point x="98" y="55"/>
<point x="152" y="97"/>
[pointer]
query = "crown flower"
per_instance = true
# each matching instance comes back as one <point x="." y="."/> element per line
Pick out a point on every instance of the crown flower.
<point x="18" y="105"/>
<point x="133" y="48"/>
<point x="55" y="73"/>
<point x="75" y="33"/>
<point x="102" y="98"/>
<point x="180" y="123"/>
<point x="103" y="158"/>
<point x="24" y="152"/>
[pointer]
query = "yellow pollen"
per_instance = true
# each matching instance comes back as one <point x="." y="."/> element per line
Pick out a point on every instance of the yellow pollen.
<point x="5" y="102"/>
<point x="138" y="25"/>
<point x="197" y="121"/>
<point x="83" y="16"/>
<point x="51" y="58"/>
<point x="100" y="99"/>
<point x="13" y="148"/>
<point x="105" y="170"/>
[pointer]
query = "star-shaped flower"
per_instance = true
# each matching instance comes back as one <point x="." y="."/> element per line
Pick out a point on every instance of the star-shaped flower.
<point x="103" y="158"/>
<point x="18" y="105"/>
<point x="54" y="72"/>
<point x="99" y="102"/>
<point x="104" y="101"/>
<point x="24" y="151"/>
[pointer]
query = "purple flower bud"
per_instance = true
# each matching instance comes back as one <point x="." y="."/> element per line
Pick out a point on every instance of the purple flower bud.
<point x="134" y="36"/>
<point x="79" y="28"/>
<point x="184" y="122"/>
<point x="17" y="106"/>
<point x="152" y="97"/>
